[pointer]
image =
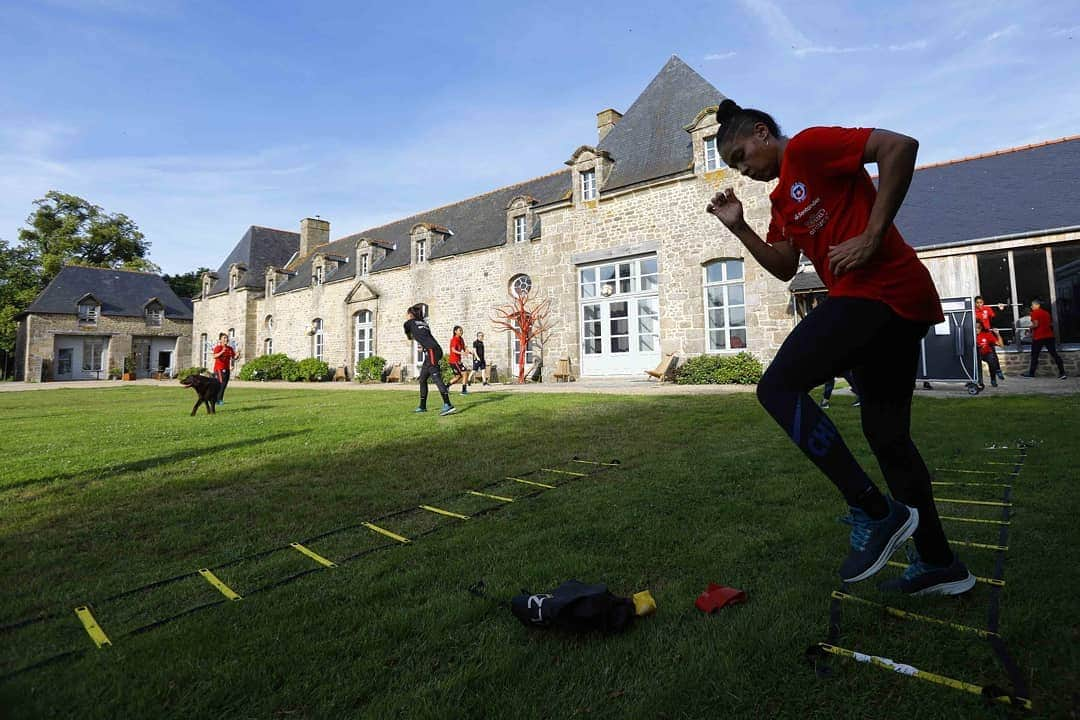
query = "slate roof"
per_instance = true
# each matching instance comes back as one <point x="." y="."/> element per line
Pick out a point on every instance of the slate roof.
<point x="120" y="292"/>
<point x="477" y="223"/>
<point x="1020" y="190"/>
<point x="259" y="248"/>
<point x="650" y="141"/>
<point x="806" y="281"/>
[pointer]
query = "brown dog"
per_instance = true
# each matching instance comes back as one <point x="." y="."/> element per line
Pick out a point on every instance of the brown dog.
<point x="207" y="388"/>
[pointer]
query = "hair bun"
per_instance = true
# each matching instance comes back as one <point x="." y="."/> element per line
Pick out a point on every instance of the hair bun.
<point x="727" y="110"/>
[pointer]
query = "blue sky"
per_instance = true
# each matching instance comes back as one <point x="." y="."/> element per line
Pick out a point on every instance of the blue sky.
<point x="198" y="119"/>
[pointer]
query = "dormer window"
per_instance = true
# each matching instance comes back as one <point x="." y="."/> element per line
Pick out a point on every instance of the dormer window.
<point x="317" y="275"/>
<point x="421" y="251"/>
<point x="234" y="279"/>
<point x="205" y="286"/>
<point x="364" y="261"/>
<point x="270" y="285"/>
<point x="521" y="233"/>
<point x="154" y="315"/>
<point x="588" y="185"/>
<point x="712" y="155"/>
<point x="88" y="312"/>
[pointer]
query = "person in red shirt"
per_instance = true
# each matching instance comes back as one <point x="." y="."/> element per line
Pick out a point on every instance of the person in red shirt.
<point x="224" y="359"/>
<point x="881" y="303"/>
<point x="985" y="315"/>
<point x="1042" y="336"/>
<point x="988" y="341"/>
<point x="457" y="349"/>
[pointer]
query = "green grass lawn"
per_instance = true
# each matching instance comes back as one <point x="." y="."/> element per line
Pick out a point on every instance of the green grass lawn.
<point x="106" y="490"/>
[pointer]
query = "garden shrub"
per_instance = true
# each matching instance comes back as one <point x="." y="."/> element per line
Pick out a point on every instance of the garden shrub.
<point x="370" y="369"/>
<point x="268" y="367"/>
<point x="311" y="370"/>
<point x="741" y="369"/>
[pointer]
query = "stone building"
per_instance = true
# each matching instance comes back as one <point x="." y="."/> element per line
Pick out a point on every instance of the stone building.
<point x="88" y="320"/>
<point x="618" y="242"/>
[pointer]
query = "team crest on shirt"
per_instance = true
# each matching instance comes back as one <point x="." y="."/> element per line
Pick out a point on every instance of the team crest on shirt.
<point x="798" y="191"/>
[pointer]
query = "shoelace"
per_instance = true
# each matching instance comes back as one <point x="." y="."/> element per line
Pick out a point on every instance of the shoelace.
<point x="916" y="566"/>
<point x="860" y="531"/>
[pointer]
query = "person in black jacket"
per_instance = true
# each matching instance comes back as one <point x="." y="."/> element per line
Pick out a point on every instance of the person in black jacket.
<point x="479" y="362"/>
<point x="417" y="330"/>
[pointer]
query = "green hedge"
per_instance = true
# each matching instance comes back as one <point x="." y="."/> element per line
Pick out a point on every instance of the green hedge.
<point x="186" y="372"/>
<point x="268" y="367"/>
<point x="741" y="369"/>
<point x="311" y="370"/>
<point x="370" y="369"/>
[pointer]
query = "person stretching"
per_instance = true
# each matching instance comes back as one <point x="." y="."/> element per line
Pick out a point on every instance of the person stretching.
<point x="881" y="302"/>
<point x="417" y="330"/>
<point x="988" y="341"/>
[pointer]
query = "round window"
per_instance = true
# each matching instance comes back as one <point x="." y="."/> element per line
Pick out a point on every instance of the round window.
<point x="520" y="285"/>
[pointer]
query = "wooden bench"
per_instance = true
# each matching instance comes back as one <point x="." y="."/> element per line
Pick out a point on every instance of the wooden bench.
<point x="662" y="371"/>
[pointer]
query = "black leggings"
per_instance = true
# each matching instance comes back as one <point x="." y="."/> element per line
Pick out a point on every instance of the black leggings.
<point x="223" y="378"/>
<point x="992" y="362"/>
<point x="882" y="349"/>
<point x="430" y="369"/>
<point x="1051" y="346"/>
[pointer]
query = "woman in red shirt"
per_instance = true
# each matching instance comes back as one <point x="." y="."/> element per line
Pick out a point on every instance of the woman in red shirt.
<point x="1042" y="336"/>
<point x="881" y="303"/>
<point x="224" y="359"/>
<point x="988" y="341"/>
<point x="457" y="349"/>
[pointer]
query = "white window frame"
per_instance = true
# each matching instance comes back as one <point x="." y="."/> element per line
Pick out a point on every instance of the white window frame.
<point x="268" y="323"/>
<point x="588" y="185"/>
<point x="712" y="155"/>
<point x="204" y="350"/>
<point x="318" y="339"/>
<point x="89" y="313"/>
<point x="520" y="231"/>
<point x="421" y="251"/>
<point x="363" y="335"/>
<point x="268" y="346"/>
<point x="93" y="354"/>
<point x="724" y="282"/>
<point x="155" y="316"/>
<point x="234" y="276"/>
<point x="270" y="286"/>
<point x="317" y="275"/>
<point x="364" y="264"/>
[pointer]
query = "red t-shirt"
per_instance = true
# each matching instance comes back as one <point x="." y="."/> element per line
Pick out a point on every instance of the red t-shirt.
<point x="986" y="341"/>
<point x="824" y="198"/>
<point x="985" y="315"/>
<point x="457" y="345"/>
<point x="224" y="362"/>
<point x="1045" y="329"/>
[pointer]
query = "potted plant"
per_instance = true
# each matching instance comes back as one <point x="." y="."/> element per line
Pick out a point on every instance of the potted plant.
<point x="115" y="373"/>
<point x="129" y="367"/>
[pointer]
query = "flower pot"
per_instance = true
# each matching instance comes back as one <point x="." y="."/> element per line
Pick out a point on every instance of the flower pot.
<point x="129" y="376"/>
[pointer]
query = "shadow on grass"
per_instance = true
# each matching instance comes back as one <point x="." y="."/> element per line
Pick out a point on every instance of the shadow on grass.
<point x="147" y="463"/>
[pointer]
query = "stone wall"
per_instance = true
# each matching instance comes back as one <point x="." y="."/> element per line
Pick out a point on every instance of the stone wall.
<point x="40" y="331"/>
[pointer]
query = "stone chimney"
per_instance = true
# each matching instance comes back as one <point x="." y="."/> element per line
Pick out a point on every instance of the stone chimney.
<point x="313" y="232"/>
<point x="605" y="120"/>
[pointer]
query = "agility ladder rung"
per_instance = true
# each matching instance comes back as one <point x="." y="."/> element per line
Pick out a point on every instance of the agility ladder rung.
<point x="313" y="555"/>
<point x="988" y="581"/>
<point x="218" y="585"/>
<point x="490" y="496"/>
<point x="593" y="462"/>
<point x="92" y="628"/>
<point x="970" y="484"/>
<point x="991" y="503"/>
<point x="565" y="472"/>
<point x="905" y="615"/>
<point x="447" y="513"/>
<point x="970" y="472"/>
<point x="387" y="533"/>
<point x="531" y="482"/>
<point x="974" y="520"/>
<point x="886" y="664"/>
<point x="984" y="546"/>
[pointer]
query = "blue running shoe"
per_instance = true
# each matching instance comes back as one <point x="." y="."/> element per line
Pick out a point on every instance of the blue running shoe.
<point x="922" y="578"/>
<point x="447" y="409"/>
<point x="420" y="409"/>
<point x="874" y="541"/>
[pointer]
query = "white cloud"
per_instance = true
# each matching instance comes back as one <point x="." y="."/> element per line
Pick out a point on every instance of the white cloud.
<point x="913" y="45"/>
<point x="776" y="23"/>
<point x="1004" y="32"/>
<point x="721" y="56"/>
<point x="1066" y="32"/>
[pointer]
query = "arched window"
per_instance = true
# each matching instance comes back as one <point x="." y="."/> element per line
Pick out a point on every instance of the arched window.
<point x="520" y="285"/>
<point x="318" y="340"/>
<point x="364" y="335"/>
<point x="725" y="305"/>
<point x="269" y="323"/>
<point x="268" y="346"/>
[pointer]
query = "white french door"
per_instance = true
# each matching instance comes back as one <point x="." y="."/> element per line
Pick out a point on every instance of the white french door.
<point x="620" y="317"/>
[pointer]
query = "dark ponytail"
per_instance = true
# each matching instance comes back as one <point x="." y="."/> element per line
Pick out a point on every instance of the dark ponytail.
<point x="417" y="311"/>
<point x="737" y="121"/>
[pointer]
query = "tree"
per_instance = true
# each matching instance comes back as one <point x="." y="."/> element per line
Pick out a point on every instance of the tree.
<point x="187" y="285"/>
<point x="68" y="230"/>
<point x="528" y="320"/>
<point x="63" y="230"/>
